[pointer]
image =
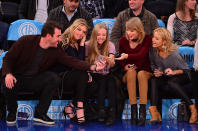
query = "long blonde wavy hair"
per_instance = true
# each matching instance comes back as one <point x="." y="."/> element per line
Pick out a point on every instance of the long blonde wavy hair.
<point x="168" y="47"/>
<point x="94" y="50"/>
<point x="67" y="37"/>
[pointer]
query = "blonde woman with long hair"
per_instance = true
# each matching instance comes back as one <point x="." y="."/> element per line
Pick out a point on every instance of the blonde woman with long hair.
<point x="134" y="49"/>
<point x="168" y="68"/>
<point x="183" y="23"/>
<point x="99" y="48"/>
<point x="73" y="43"/>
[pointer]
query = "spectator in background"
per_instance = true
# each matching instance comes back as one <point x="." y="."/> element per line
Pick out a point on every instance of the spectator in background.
<point x="183" y="23"/>
<point x="94" y="7"/>
<point x="99" y="48"/>
<point x="66" y="14"/>
<point x="37" y="9"/>
<point x="136" y="9"/>
<point x="134" y="50"/>
<point x="168" y="68"/>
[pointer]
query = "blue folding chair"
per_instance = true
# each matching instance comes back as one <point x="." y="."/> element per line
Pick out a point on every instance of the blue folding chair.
<point x="23" y="27"/>
<point x="161" y="23"/>
<point x="187" y="54"/>
<point x="108" y="22"/>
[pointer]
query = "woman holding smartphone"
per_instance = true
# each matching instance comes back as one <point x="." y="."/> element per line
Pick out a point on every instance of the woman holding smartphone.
<point x="134" y="59"/>
<point x="99" y="48"/>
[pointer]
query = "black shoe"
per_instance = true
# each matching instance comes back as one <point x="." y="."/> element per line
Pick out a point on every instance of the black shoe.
<point x="11" y="118"/>
<point x="134" y="114"/>
<point x="43" y="118"/>
<point x="66" y="114"/>
<point x="101" y="115"/>
<point x="142" y="115"/>
<point x="111" y="117"/>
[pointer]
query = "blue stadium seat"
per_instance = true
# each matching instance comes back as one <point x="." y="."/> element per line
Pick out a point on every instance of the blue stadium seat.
<point x="1" y="58"/>
<point x="161" y="23"/>
<point x="23" y="27"/>
<point x="187" y="54"/>
<point x="108" y="22"/>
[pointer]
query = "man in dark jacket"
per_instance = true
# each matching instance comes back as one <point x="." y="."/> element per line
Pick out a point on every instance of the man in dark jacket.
<point x="26" y="66"/>
<point x="68" y="13"/>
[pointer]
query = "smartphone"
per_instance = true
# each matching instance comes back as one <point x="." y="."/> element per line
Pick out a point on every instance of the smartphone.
<point x="100" y="57"/>
<point x="131" y="65"/>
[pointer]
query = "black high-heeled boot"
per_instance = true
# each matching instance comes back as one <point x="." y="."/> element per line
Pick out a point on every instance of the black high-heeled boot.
<point x="111" y="117"/>
<point x="134" y="114"/>
<point x="142" y="115"/>
<point x="101" y="115"/>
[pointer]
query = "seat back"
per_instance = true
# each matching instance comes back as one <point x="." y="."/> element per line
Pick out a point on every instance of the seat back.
<point x="161" y="23"/>
<point x="23" y="27"/>
<point x="187" y="54"/>
<point x="108" y="22"/>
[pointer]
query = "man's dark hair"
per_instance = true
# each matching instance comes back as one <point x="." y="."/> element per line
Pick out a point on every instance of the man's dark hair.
<point x="49" y="27"/>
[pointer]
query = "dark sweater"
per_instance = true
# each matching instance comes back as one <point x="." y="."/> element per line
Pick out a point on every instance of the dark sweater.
<point x="58" y="15"/>
<point x="139" y="55"/>
<point x="23" y="51"/>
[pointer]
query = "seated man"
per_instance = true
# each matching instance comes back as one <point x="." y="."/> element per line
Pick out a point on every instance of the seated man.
<point x="26" y="66"/>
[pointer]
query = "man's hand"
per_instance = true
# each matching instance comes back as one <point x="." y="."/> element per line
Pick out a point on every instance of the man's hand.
<point x="10" y="80"/>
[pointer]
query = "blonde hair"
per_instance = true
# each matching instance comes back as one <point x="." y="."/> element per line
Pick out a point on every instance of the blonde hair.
<point x="94" y="50"/>
<point x="168" y="47"/>
<point x="181" y="7"/>
<point x="67" y="37"/>
<point x="135" y="24"/>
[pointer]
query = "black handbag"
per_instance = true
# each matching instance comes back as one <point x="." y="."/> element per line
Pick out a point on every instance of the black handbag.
<point x="183" y="112"/>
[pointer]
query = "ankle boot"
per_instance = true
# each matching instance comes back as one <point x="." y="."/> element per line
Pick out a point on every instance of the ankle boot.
<point x="155" y="115"/>
<point x="193" y="117"/>
<point x="142" y="115"/>
<point x="101" y="115"/>
<point x="134" y="114"/>
<point x="111" y="117"/>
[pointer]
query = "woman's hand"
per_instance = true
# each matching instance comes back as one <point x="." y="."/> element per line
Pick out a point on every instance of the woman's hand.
<point x="82" y="42"/>
<point x="122" y="57"/>
<point x="110" y="60"/>
<point x="157" y="73"/>
<point x="169" y="71"/>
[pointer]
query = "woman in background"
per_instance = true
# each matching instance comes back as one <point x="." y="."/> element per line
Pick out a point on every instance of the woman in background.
<point x="183" y="23"/>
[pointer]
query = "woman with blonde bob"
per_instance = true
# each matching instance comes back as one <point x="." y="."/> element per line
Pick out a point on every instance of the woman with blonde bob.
<point x="168" y="68"/>
<point x="134" y="51"/>
<point x="99" y="48"/>
<point x="73" y="43"/>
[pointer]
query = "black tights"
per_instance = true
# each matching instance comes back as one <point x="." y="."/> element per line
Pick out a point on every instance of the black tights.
<point x="174" y="84"/>
<point x="105" y="87"/>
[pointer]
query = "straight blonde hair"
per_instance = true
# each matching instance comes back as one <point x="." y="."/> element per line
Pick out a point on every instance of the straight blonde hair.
<point x="136" y="24"/>
<point x="94" y="50"/>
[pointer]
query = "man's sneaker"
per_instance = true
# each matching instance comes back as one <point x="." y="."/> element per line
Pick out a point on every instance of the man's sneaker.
<point x="11" y="118"/>
<point x="43" y="119"/>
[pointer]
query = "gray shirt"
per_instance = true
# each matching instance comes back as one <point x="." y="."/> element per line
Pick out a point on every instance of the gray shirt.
<point x="173" y="61"/>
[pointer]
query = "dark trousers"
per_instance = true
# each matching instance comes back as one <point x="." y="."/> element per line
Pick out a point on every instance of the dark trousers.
<point x="75" y="81"/>
<point x="44" y="83"/>
<point x="174" y="84"/>
<point x="106" y="86"/>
